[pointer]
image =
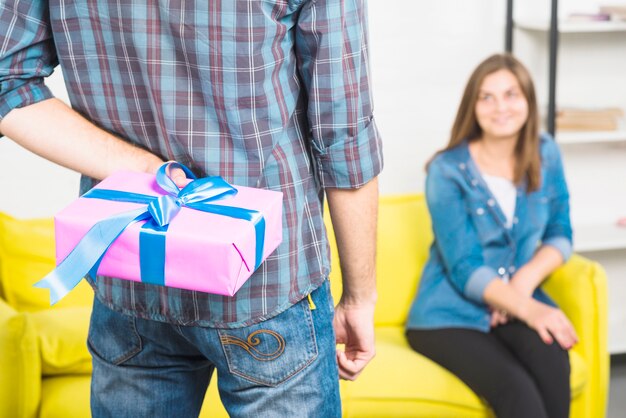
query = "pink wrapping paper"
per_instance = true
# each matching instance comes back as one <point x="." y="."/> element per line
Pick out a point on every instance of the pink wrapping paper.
<point x="204" y="251"/>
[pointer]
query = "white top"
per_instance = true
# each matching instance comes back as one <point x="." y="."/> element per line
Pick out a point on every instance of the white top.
<point x="505" y="193"/>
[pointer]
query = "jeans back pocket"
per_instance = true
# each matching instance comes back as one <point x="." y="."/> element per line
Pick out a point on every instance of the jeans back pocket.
<point x="272" y="351"/>
<point x="112" y="336"/>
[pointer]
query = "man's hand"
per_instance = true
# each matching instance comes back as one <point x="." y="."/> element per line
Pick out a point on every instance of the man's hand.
<point x="354" y="214"/>
<point x="176" y="174"/>
<point x="354" y="327"/>
<point x="179" y="177"/>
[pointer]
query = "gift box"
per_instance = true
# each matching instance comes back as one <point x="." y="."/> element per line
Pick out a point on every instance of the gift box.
<point x="207" y="245"/>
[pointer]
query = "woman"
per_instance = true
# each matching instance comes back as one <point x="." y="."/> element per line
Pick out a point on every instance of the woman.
<point x="500" y="214"/>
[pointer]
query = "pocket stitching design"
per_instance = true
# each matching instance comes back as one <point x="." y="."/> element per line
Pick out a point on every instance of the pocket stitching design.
<point x="252" y="342"/>
<point x="296" y="368"/>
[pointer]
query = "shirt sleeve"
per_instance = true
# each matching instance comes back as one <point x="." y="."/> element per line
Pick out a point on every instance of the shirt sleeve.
<point x="558" y="232"/>
<point x="456" y="238"/>
<point x="333" y="63"/>
<point x="27" y="53"/>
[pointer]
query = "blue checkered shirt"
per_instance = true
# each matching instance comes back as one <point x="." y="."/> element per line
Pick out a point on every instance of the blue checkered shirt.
<point x="268" y="94"/>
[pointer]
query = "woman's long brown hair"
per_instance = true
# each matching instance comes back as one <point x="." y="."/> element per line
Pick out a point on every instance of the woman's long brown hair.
<point x="527" y="161"/>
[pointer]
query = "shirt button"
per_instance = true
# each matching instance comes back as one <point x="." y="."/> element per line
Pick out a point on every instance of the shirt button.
<point x="515" y="220"/>
<point x="501" y="271"/>
<point x="462" y="166"/>
<point x="491" y="202"/>
<point x="480" y="211"/>
<point x="512" y="269"/>
<point x="474" y="182"/>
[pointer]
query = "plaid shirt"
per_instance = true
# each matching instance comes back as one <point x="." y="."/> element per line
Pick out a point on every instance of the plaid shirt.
<point x="269" y="94"/>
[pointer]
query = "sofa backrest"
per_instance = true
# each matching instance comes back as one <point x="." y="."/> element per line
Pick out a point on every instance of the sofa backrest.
<point x="26" y="256"/>
<point x="404" y="236"/>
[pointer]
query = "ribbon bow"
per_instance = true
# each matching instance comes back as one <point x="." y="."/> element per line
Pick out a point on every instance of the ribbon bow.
<point x="159" y="211"/>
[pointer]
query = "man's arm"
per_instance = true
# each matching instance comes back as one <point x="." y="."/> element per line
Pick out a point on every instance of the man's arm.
<point x="332" y="50"/>
<point x="54" y="131"/>
<point x="34" y="119"/>
<point x="354" y="215"/>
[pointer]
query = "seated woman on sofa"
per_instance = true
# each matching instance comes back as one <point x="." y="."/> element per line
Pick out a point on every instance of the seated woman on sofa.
<point x="500" y="214"/>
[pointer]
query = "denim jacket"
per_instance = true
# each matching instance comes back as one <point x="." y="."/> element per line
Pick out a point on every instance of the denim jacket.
<point x="472" y="245"/>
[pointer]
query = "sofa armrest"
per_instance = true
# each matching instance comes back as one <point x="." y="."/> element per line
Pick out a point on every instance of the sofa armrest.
<point x="579" y="287"/>
<point x="20" y="368"/>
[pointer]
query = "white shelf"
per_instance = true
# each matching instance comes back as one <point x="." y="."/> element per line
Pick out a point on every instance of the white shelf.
<point x="572" y="27"/>
<point x="599" y="237"/>
<point x="592" y="137"/>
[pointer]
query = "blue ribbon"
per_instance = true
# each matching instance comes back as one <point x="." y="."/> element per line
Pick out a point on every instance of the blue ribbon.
<point x="159" y="211"/>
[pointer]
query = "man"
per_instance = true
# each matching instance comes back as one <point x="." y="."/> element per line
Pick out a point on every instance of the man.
<point x="268" y="94"/>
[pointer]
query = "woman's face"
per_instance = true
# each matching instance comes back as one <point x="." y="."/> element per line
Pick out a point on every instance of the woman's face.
<point x="501" y="108"/>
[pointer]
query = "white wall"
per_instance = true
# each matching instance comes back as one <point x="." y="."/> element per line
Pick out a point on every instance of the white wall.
<point x="422" y="55"/>
<point x="421" y="52"/>
<point x="29" y="185"/>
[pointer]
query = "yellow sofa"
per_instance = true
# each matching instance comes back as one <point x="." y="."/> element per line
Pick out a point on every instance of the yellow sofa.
<point x="45" y="366"/>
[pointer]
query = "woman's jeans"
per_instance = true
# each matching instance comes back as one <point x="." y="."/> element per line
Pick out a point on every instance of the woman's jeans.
<point x="283" y="367"/>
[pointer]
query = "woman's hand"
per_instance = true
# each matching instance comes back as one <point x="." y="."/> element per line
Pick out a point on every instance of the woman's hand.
<point x="498" y="317"/>
<point x="530" y="275"/>
<point x="525" y="281"/>
<point x="550" y="323"/>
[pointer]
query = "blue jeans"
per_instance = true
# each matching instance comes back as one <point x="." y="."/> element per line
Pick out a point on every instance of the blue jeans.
<point x="283" y="367"/>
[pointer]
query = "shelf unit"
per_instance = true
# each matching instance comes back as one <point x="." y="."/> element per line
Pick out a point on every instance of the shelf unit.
<point x="596" y="235"/>
<point x="556" y="27"/>
<point x="599" y="237"/>
<point x="572" y="26"/>
<point x="592" y="137"/>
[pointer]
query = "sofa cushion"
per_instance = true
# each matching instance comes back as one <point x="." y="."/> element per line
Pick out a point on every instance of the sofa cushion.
<point x="401" y="382"/>
<point x="26" y="256"/>
<point x="65" y="396"/>
<point x="212" y="406"/>
<point x="62" y="335"/>
<point x="20" y="373"/>
<point x="400" y="376"/>
<point x="579" y="376"/>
